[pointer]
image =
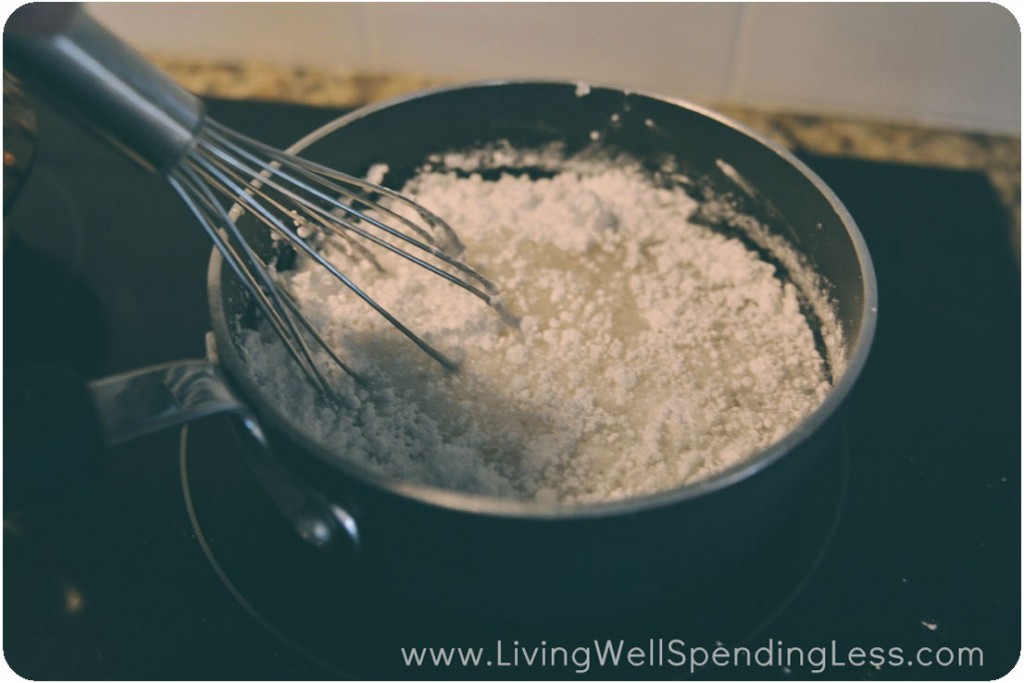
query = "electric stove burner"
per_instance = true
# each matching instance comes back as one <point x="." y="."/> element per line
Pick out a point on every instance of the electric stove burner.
<point x="348" y="623"/>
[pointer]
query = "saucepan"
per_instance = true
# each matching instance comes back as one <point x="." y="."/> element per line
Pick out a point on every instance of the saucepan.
<point x="504" y="557"/>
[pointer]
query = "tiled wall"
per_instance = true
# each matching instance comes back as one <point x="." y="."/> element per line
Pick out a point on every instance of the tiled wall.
<point x="950" y="64"/>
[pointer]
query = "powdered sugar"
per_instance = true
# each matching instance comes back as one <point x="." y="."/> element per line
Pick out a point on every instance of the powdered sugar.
<point x="651" y="351"/>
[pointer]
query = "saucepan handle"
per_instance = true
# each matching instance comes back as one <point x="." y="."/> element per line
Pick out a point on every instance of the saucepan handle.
<point x="149" y="400"/>
<point x="64" y="426"/>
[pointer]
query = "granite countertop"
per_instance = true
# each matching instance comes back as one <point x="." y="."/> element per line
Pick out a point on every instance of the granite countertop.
<point x="996" y="155"/>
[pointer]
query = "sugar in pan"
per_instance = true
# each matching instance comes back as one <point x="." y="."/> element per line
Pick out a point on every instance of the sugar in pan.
<point x="651" y="350"/>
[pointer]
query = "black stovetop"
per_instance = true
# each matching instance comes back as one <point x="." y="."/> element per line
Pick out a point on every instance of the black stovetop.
<point x="913" y="539"/>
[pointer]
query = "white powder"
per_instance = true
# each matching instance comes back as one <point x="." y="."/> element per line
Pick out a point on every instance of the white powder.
<point x="652" y="352"/>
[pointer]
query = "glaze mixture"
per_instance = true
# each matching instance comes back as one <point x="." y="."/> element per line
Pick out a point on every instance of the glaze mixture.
<point x="651" y="351"/>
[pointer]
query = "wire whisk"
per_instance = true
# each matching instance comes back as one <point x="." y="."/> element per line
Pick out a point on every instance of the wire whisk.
<point x="293" y="198"/>
<point x="60" y="48"/>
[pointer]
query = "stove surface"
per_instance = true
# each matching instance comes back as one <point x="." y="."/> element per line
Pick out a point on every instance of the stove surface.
<point x="911" y="540"/>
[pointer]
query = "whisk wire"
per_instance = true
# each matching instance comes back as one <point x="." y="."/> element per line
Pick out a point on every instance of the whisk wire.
<point x="321" y="174"/>
<point x="234" y="148"/>
<point x="486" y="288"/>
<point x="211" y="214"/>
<point x="299" y="212"/>
<point x="281" y="317"/>
<point x="363" y="191"/>
<point x="269" y="175"/>
<point x="287" y="297"/>
<point x="261" y="212"/>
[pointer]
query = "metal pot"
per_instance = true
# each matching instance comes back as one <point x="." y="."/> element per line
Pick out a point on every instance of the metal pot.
<point x="521" y="559"/>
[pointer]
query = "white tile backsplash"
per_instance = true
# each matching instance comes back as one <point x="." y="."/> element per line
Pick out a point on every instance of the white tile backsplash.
<point x="681" y="48"/>
<point x="298" y="33"/>
<point x="952" y="63"/>
<point x="946" y="63"/>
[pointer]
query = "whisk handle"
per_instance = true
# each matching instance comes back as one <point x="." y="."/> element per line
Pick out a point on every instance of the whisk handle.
<point x="85" y="68"/>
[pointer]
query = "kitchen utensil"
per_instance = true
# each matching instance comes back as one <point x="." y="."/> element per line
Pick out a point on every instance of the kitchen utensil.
<point x="59" y="47"/>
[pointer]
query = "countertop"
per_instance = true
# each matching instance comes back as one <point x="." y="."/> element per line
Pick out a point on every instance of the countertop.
<point x="996" y="155"/>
